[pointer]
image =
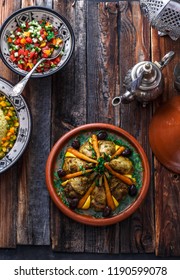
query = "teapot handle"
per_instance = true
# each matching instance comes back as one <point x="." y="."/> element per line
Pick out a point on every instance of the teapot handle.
<point x="165" y="60"/>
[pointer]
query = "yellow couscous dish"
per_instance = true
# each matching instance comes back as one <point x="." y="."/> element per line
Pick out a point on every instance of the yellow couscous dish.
<point x="8" y="126"/>
<point x="3" y="125"/>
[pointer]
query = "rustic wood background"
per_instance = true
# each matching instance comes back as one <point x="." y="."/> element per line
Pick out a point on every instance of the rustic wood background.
<point x="109" y="41"/>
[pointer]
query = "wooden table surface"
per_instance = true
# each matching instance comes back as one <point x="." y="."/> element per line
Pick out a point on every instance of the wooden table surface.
<point x="109" y="41"/>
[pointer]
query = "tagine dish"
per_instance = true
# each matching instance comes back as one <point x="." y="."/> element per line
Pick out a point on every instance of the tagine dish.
<point x="98" y="174"/>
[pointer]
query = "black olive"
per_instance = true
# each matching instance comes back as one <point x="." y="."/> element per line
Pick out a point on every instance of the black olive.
<point x="61" y="173"/>
<point x="107" y="211"/>
<point x="132" y="190"/>
<point x="102" y="135"/>
<point x="127" y="152"/>
<point x="73" y="202"/>
<point x="76" y="144"/>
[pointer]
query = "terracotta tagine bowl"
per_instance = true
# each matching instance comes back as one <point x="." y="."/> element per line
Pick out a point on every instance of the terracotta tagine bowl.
<point x="80" y="181"/>
<point x="164" y="134"/>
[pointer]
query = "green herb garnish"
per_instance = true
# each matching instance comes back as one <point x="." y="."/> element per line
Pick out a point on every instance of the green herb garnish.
<point x="100" y="166"/>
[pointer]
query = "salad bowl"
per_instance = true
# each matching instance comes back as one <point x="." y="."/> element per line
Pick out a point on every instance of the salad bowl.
<point x="30" y="34"/>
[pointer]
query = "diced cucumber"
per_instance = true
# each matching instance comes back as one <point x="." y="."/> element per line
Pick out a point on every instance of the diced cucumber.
<point x="23" y="25"/>
<point x="35" y="40"/>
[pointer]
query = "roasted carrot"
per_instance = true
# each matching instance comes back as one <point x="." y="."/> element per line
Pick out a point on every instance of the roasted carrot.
<point x="85" y="196"/>
<point x="80" y="155"/>
<point x="123" y="178"/>
<point x="109" y="198"/>
<point x="76" y="174"/>
<point x="95" y="145"/>
<point x="118" y="152"/>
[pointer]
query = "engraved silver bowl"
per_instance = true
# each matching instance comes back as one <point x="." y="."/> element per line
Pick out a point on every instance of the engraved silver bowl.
<point x="24" y="130"/>
<point x="38" y="13"/>
<point x="164" y="15"/>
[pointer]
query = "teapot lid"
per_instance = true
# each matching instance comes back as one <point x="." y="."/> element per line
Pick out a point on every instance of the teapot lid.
<point x="151" y="77"/>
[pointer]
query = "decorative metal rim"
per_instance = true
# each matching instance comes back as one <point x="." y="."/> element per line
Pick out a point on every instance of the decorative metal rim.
<point x="24" y="131"/>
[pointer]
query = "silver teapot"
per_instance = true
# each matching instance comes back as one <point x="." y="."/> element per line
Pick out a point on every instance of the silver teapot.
<point x="144" y="82"/>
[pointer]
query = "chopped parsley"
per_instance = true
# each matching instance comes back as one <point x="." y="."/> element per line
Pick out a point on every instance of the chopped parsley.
<point x="100" y="166"/>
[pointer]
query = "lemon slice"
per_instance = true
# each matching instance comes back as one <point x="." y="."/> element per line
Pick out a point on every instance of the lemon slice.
<point x="117" y="147"/>
<point x="68" y="154"/>
<point x="116" y="203"/>
<point x="130" y="177"/>
<point x="87" y="203"/>
<point x="64" y="183"/>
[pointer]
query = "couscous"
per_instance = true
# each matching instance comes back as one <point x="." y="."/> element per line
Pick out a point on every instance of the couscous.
<point x="3" y="125"/>
<point x="8" y="126"/>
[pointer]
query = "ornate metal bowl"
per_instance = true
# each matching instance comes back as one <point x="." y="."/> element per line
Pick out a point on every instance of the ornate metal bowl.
<point x="164" y="15"/>
<point x="24" y="130"/>
<point x="37" y="13"/>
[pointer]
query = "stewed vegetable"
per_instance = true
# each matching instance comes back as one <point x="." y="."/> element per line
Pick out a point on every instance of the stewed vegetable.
<point x="32" y="41"/>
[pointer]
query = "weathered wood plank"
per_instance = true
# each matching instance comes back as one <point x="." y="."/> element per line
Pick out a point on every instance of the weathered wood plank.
<point x="136" y="232"/>
<point x="167" y="196"/>
<point x="8" y="180"/>
<point x="68" y="111"/>
<point x="102" y="85"/>
<point x="102" y="60"/>
<point x="33" y="198"/>
<point x="8" y="204"/>
<point x="43" y="3"/>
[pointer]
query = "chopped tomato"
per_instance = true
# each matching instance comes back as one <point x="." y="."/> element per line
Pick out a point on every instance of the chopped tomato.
<point x="12" y="58"/>
<point x="20" y="66"/>
<point x="31" y="54"/>
<point x="17" y="41"/>
<point x="45" y="55"/>
<point x="34" y="61"/>
<point x="57" y="60"/>
<point x="21" y="52"/>
<point x="26" y="52"/>
<point x="29" y="40"/>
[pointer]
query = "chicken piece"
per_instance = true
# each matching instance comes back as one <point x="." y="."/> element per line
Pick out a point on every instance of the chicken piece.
<point x="122" y="165"/>
<point x="76" y="187"/>
<point x="87" y="149"/>
<point x="118" y="189"/>
<point x="72" y="165"/>
<point x="98" y="198"/>
<point x="107" y="147"/>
